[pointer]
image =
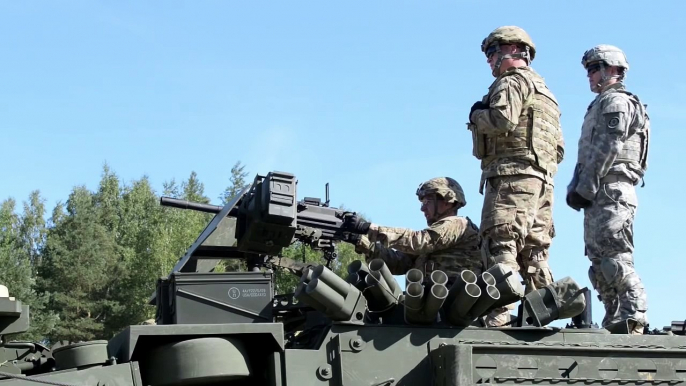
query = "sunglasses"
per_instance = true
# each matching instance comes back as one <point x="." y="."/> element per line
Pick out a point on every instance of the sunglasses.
<point x="490" y="51"/>
<point x="592" y="68"/>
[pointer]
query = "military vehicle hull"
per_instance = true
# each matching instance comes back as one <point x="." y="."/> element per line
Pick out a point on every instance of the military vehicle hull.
<point x="350" y="355"/>
<point x="231" y="329"/>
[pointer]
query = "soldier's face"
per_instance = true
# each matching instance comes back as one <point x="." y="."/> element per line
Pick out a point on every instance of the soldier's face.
<point x="595" y="76"/>
<point x="429" y="207"/>
<point x="492" y="56"/>
<point x="433" y="208"/>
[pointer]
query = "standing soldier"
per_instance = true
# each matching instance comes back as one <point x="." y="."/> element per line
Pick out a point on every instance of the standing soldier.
<point x="613" y="152"/>
<point x="450" y="243"/>
<point x="517" y="136"/>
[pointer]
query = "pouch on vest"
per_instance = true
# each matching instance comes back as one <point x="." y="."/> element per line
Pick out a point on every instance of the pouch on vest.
<point x="478" y="142"/>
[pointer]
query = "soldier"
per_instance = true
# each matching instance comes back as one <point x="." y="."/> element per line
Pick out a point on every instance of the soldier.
<point x="517" y="136"/>
<point x="450" y="243"/>
<point x="613" y="152"/>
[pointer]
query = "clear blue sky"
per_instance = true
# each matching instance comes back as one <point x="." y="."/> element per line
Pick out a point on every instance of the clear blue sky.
<point x="372" y="97"/>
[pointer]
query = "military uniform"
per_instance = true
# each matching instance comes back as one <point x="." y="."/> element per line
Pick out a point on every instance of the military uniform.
<point x="612" y="159"/>
<point x="450" y="244"/>
<point x="517" y="136"/>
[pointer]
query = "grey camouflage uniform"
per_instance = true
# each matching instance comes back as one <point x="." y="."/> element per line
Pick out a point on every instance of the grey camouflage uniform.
<point x="519" y="142"/>
<point x="612" y="159"/>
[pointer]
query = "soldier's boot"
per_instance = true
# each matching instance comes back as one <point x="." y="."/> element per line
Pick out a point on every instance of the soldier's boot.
<point x="631" y="301"/>
<point x="535" y="269"/>
<point x="499" y="317"/>
<point x="635" y="328"/>
<point x="606" y="295"/>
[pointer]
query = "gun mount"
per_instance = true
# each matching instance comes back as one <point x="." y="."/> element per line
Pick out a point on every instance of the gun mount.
<point x="259" y="222"/>
<point x="230" y="328"/>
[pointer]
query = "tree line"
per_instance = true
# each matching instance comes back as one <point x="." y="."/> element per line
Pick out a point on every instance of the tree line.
<point x="88" y="270"/>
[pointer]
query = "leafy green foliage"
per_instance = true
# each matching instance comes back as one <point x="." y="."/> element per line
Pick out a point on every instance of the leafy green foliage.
<point x="89" y="270"/>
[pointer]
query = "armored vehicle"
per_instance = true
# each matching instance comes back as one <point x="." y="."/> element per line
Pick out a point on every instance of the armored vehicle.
<point x="230" y="328"/>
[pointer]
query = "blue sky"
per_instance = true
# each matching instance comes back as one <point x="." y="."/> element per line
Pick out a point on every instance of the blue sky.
<point x="371" y="97"/>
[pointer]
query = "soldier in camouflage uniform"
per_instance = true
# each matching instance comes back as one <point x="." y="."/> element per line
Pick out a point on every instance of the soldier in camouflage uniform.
<point x="517" y="136"/>
<point x="613" y="152"/>
<point x="450" y="243"/>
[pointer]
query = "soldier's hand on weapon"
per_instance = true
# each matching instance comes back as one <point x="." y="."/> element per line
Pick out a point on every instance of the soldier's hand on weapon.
<point x="576" y="201"/>
<point x="352" y="238"/>
<point x="479" y="105"/>
<point x="353" y="223"/>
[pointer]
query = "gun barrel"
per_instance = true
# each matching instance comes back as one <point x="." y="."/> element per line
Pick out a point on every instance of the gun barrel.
<point x="183" y="204"/>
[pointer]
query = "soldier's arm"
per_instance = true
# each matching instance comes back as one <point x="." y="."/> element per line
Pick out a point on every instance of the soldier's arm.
<point x="560" y="148"/>
<point x="439" y="235"/>
<point x="609" y="135"/>
<point x="398" y="263"/>
<point x="505" y="106"/>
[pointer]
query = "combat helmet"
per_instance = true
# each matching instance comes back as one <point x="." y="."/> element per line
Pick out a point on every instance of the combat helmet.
<point x="445" y="187"/>
<point x="606" y="54"/>
<point x="508" y="34"/>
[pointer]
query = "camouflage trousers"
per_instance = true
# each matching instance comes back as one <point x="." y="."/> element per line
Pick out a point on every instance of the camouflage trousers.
<point x="609" y="241"/>
<point x="517" y="230"/>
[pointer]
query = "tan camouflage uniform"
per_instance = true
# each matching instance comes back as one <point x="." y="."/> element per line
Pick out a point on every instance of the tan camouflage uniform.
<point x="450" y="244"/>
<point x="612" y="159"/>
<point x="518" y="139"/>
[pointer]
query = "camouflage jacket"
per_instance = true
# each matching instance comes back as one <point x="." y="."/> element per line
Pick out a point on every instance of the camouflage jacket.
<point x="450" y="244"/>
<point x="520" y="132"/>
<point x="614" y="140"/>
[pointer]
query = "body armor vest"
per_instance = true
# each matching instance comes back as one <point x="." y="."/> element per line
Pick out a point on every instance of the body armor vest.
<point x="464" y="255"/>
<point x="536" y="137"/>
<point x="634" y="152"/>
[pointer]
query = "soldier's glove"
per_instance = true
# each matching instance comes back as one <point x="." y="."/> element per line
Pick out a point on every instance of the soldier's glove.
<point x="477" y="106"/>
<point x="574" y="199"/>
<point x="352" y="238"/>
<point x="576" y="202"/>
<point x="353" y="223"/>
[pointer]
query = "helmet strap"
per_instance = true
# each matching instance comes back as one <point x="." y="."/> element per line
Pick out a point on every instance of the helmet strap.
<point x="439" y="215"/>
<point x="606" y="78"/>
<point x="520" y="55"/>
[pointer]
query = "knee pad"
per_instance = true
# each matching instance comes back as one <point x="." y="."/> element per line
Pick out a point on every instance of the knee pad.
<point x="610" y="269"/>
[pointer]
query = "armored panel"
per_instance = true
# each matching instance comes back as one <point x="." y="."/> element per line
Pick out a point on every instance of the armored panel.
<point x="231" y="297"/>
<point x="267" y="222"/>
<point x="278" y="198"/>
